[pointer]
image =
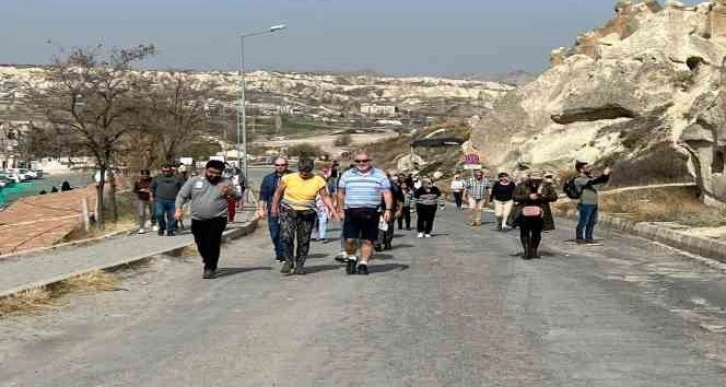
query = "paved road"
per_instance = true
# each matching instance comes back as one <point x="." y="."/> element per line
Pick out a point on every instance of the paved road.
<point x="458" y="309"/>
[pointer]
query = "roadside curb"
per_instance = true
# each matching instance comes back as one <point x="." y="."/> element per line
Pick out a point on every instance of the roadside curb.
<point x="228" y="236"/>
<point x="78" y="243"/>
<point x="705" y="247"/>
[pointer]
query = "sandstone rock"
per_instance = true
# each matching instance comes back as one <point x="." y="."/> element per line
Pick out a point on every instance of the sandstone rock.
<point x="636" y="89"/>
<point x="717" y="19"/>
<point x="557" y="56"/>
<point x="652" y="5"/>
<point x="675" y="4"/>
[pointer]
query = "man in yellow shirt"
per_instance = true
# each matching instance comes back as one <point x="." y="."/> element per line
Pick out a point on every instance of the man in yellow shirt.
<point x="295" y="200"/>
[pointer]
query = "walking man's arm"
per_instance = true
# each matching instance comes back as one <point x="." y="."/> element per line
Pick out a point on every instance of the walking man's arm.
<point x="184" y="195"/>
<point x="388" y="199"/>
<point x="275" y="208"/>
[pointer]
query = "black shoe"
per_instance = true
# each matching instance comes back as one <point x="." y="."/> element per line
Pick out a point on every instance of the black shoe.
<point x="350" y="266"/>
<point x="171" y="233"/>
<point x="408" y="228"/>
<point x="208" y="274"/>
<point x="299" y="271"/>
<point x="340" y="258"/>
<point x="378" y="247"/>
<point x="160" y="232"/>
<point x="280" y="259"/>
<point x="363" y="269"/>
<point x="387" y="246"/>
<point x="286" y="267"/>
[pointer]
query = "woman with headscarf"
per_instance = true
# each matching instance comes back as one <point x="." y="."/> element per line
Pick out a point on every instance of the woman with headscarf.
<point x="534" y="197"/>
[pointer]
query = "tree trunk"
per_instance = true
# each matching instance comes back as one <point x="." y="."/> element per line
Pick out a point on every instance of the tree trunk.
<point x="100" y="221"/>
<point x="112" y="192"/>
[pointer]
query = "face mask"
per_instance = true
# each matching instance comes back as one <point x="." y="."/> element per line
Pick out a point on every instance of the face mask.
<point x="214" y="179"/>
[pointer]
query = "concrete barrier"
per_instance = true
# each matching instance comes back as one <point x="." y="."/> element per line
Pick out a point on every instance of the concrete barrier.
<point x="705" y="247"/>
<point x="229" y="235"/>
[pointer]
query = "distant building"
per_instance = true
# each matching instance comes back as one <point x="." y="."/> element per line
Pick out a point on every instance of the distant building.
<point x="10" y="135"/>
<point x="378" y="110"/>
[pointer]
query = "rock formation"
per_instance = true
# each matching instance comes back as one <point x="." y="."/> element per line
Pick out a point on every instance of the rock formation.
<point x="649" y="81"/>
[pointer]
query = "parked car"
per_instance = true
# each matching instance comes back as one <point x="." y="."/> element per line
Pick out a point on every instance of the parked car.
<point x="29" y="173"/>
<point x="23" y="176"/>
<point x="12" y="176"/>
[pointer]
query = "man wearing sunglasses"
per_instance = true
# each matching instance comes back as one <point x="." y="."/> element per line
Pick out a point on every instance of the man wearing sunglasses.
<point x="359" y="196"/>
<point x="267" y="190"/>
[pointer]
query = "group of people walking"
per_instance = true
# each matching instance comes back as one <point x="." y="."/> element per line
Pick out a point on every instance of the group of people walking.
<point x="298" y="205"/>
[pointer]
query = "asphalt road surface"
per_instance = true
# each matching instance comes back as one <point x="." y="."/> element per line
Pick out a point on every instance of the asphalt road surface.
<point x="459" y="309"/>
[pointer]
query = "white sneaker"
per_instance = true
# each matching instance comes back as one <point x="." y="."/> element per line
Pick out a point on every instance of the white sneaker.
<point x="420" y="235"/>
<point x="141" y="231"/>
<point x="427" y="236"/>
<point x="155" y="228"/>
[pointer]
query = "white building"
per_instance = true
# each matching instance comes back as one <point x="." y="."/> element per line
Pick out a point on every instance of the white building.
<point x="378" y="110"/>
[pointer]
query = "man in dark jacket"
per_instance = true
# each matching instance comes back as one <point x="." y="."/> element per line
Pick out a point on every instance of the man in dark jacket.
<point x="267" y="190"/>
<point x="164" y="190"/>
<point x="385" y="238"/>
<point x="142" y="189"/>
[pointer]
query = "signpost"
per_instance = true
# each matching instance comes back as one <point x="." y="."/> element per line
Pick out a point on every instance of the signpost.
<point x="471" y="161"/>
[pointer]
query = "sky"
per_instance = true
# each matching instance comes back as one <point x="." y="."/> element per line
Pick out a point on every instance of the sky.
<point x="396" y="37"/>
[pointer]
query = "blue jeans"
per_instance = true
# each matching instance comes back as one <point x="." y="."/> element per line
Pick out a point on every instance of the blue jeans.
<point x="322" y="225"/>
<point x="274" y="225"/>
<point x="164" y="209"/>
<point x="587" y="221"/>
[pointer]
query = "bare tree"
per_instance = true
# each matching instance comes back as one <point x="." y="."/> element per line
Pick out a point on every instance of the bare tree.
<point x="89" y="96"/>
<point x="174" y="112"/>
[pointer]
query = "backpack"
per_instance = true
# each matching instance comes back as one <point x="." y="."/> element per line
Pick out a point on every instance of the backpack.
<point x="570" y="189"/>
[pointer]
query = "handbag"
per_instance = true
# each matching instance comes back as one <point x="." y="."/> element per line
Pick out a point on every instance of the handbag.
<point x="532" y="211"/>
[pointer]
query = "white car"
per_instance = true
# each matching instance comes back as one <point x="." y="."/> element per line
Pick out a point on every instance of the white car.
<point x="22" y="175"/>
<point x="28" y="172"/>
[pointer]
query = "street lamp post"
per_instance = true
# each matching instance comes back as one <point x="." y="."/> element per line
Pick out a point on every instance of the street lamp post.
<point x="241" y="109"/>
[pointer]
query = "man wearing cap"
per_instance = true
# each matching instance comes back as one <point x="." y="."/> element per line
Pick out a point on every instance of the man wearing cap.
<point x="294" y="203"/>
<point x="476" y="192"/>
<point x="359" y="196"/>
<point x="267" y="190"/>
<point x="207" y="196"/>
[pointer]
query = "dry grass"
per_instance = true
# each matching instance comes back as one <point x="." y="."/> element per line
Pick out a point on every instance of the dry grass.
<point x="33" y="300"/>
<point x="672" y="204"/>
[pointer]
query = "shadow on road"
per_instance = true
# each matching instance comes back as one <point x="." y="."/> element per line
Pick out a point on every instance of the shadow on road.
<point x="382" y="257"/>
<point x="402" y="246"/>
<point x="321" y="268"/>
<point x="386" y="267"/>
<point x="318" y="256"/>
<point x="228" y="271"/>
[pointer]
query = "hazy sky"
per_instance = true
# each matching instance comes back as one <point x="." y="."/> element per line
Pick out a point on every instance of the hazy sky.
<point x="393" y="36"/>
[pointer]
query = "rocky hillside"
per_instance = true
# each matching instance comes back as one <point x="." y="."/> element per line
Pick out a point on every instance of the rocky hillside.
<point x="321" y="95"/>
<point x="643" y="91"/>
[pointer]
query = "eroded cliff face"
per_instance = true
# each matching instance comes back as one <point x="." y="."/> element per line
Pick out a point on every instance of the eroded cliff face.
<point x="650" y="79"/>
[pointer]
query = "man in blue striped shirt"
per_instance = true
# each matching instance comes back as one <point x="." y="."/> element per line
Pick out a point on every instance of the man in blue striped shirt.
<point x="359" y="195"/>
